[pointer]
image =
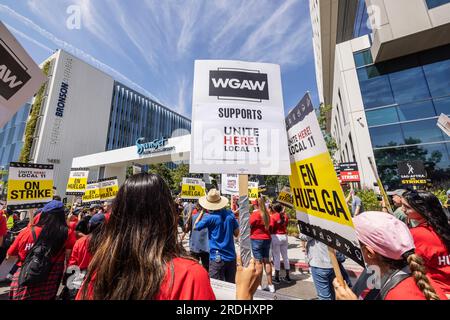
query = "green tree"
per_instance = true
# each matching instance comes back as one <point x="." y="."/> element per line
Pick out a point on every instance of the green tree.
<point x="178" y="174"/>
<point x="162" y="170"/>
<point x="329" y="140"/>
<point x="30" y="128"/>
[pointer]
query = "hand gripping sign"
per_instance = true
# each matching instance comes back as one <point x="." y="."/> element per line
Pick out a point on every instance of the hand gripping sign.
<point x="109" y="187"/>
<point x="192" y="189"/>
<point x="317" y="196"/>
<point x="92" y="193"/>
<point x="77" y="181"/>
<point x="29" y="185"/>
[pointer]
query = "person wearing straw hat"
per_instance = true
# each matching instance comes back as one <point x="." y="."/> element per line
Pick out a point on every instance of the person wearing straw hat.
<point x="222" y="226"/>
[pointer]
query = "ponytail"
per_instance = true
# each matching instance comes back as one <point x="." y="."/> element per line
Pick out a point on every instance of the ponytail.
<point x="279" y="209"/>
<point x="264" y="214"/>
<point x="416" y="265"/>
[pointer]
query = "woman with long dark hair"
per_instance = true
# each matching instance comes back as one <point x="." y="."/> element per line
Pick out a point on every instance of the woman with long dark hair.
<point x="138" y="255"/>
<point x="51" y="230"/>
<point x="431" y="236"/>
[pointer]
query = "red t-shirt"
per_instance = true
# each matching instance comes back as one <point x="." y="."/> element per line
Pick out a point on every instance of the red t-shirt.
<point x="107" y="216"/>
<point x="435" y="255"/>
<point x="408" y="290"/>
<point x="258" y="230"/>
<point x="276" y="227"/>
<point x="80" y="254"/>
<point x="73" y="225"/>
<point x="3" y="226"/>
<point x="190" y="282"/>
<point x="24" y="242"/>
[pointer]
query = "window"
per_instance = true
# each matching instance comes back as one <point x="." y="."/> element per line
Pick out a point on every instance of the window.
<point x="436" y="3"/>
<point x="376" y="92"/>
<point x="421" y="132"/>
<point x="363" y="58"/>
<point x="441" y="106"/>
<point x="409" y="85"/>
<point x="438" y="78"/>
<point x="385" y="136"/>
<point x="414" y="111"/>
<point x="382" y="116"/>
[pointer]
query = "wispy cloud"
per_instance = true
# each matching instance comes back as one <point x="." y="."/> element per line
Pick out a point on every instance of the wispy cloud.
<point x="23" y="35"/>
<point x="75" y="51"/>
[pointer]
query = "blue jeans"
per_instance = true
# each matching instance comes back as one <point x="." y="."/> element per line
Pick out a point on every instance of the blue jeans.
<point x="261" y="249"/>
<point x="323" y="281"/>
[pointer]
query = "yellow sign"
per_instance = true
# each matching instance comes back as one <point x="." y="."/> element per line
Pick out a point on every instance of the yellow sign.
<point x="109" y="189"/>
<point x="253" y="191"/>
<point x="92" y="193"/>
<point x="285" y="197"/>
<point x="29" y="185"/>
<point x="317" y="196"/>
<point x="317" y="192"/>
<point x="77" y="181"/>
<point x="192" y="189"/>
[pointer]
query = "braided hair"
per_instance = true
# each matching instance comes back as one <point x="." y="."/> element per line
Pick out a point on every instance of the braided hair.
<point x="429" y="207"/>
<point x="418" y="272"/>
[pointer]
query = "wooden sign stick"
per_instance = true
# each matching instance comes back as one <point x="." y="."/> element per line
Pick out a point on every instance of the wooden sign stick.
<point x="335" y="263"/>
<point x="244" y="221"/>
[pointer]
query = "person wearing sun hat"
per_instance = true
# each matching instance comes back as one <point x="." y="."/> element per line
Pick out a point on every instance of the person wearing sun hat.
<point x="387" y="245"/>
<point x="222" y="226"/>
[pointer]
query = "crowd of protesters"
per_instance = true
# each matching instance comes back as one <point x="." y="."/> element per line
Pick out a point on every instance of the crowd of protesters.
<point x="131" y="248"/>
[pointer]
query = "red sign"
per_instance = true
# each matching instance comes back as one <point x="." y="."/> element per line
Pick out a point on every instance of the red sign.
<point x="350" y="176"/>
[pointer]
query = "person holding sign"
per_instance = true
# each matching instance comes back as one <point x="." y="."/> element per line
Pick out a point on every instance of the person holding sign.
<point x="138" y="256"/>
<point x="260" y="237"/>
<point x="222" y="226"/>
<point x="51" y="232"/>
<point x="431" y="236"/>
<point x="389" y="249"/>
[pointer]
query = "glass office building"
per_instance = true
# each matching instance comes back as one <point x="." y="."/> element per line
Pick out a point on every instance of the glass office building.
<point x="402" y="100"/>
<point x="134" y="116"/>
<point x="11" y="136"/>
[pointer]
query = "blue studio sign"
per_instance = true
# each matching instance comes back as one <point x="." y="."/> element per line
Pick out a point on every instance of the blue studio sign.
<point x="149" y="147"/>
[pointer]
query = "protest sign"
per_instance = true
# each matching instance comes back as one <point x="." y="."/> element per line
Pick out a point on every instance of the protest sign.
<point x="230" y="184"/>
<point x="412" y="173"/>
<point x="20" y="76"/>
<point x="238" y="119"/>
<point x="109" y="188"/>
<point x="92" y="193"/>
<point x="253" y="190"/>
<point x="285" y="197"/>
<point x="192" y="189"/>
<point x="29" y="185"/>
<point x="318" y="198"/>
<point x="77" y="181"/>
<point x="349" y="172"/>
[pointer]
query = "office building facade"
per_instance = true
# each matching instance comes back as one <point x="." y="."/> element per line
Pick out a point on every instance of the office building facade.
<point x="85" y="111"/>
<point x="390" y="81"/>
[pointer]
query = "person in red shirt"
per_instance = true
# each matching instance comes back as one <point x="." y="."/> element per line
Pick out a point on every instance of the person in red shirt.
<point x="260" y="237"/>
<point x="52" y="231"/>
<point x="3" y="232"/>
<point x="279" y="221"/>
<point x="388" y="246"/>
<point x="138" y="255"/>
<point x="431" y="236"/>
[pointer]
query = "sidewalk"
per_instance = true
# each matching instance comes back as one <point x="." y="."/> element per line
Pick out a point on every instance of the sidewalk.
<point x="297" y="258"/>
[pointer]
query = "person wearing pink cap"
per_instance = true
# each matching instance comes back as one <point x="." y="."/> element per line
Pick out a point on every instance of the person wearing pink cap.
<point x="387" y="246"/>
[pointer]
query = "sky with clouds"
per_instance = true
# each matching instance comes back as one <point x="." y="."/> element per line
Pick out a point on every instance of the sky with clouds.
<point x="151" y="45"/>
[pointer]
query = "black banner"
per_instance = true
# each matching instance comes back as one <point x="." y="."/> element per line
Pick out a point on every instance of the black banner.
<point x="333" y="240"/>
<point x="13" y="73"/>
<point x="412" y="172"/>
<point x="303" y="108"/>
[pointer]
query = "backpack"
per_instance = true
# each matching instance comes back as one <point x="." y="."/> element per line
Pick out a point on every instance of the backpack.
<point x="37" y="264"/>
